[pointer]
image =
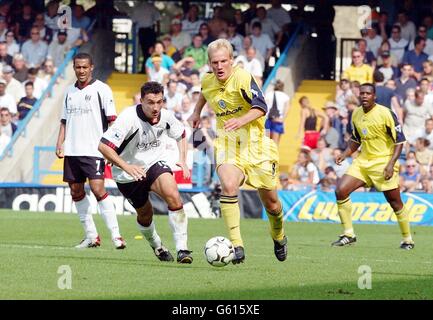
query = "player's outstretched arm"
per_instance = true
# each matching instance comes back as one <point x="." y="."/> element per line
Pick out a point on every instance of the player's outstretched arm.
<point x="60" y="140"/>
<point x="194" y="119"/>
<point x="111" y="155"/>
<point x="236" y="123"/>
<point x="353" y="146"/>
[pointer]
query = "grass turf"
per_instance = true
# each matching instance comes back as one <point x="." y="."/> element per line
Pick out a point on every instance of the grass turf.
<point x="34" y="245"/>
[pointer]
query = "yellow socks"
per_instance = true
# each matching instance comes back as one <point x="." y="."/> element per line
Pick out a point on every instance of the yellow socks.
<point x="345" y="213"/>
<point x="276" y="224"/>
<point x="232" y="217"/>
<point x="403" y="222"/>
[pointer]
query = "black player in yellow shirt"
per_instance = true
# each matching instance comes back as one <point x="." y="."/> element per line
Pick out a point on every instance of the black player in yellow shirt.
<point x="377" y="131"/>
<point x="243" y="152"/>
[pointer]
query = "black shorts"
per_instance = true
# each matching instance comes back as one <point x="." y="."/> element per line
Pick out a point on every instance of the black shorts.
<point x="78" y="169"/>
<point x="137" y="192"/>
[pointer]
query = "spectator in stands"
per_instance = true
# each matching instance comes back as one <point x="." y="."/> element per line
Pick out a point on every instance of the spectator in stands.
<point x="34" y="50"/>
<point x="278" y="106"/>
<point x="158" y="73"/>
<point x="184" y="69"/>
<point x="7" y="100"/>
<point x="332" y="113"/>
<point x="169" y="49"/>
<point x="248" y="43"/>
<point x="355" y="88"/>
<point x="428" y="70"/>
<point x="262" y="42"/>
<point x="217" y="24"/>
<point x="198" y="52"/>
<point x="410" y="178"/>
<point x="358" y="71"/>
<point x="173" y="99"/>
<point x="384" y="27"/>
<point x="408" y="29"/>
<point x="387" y="69"/>
<point x="181" y="40"/>
<point x="385" y="47"/>
<point x="251" y="64"/>
<point x="191" y="24"/>
<point x="159" y="50"/>
<point x="79" y="20"/>
<point x="234" y="37"/>
<point x="391" y="84"/>
<point x="26" y="103"/>
<point x="398" y="44"/>
<point x="322" y="155"/>
<point x="368" y="56"/>
<point x="278" y="14"/>
<point x="7" y="127"/>
<point x="241" y="25"/>
<point x="343" y="92"/>
<point x="426" y="87"/>
<point x="13" y="86"/>
<point x="374" y="40"/>
<point x="284" y="181"/>
<point x="39" y="85"/>
<point x="58" y="48"/>
<point x="250" y="13"/>
<point x="11" y="44"/>
<point x="3" y="28"/>
<point x="20" y="68"/>
<point x="415" y="114"/>
<point x="426" y="185"/>
<point x="385" y="96"/>
<point x="424" y="155"/>
<point x="227" y="11"/>
<point x="51" y="17"/>
<point x="5" y="58"/>
<point x="416" y="57"/>
<point x="45" y="32"/>
<point x="308" y="124"/>
<point x="422" y="33"/>
<point x="25" y="22"/>
<point x="204" y="31"/>
<point x="269" y="26"/>
<point x="304" y="174"/>
<point x="186" y="109"/>
<point x="426" y="132"/>
<point x="48" y="70"/>
<point x="405" y="81"/>
<point x="4" y="141"/>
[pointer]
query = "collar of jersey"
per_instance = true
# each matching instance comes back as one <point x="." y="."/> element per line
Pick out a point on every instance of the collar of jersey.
<point x="143" y="117"/>
<point x="91" y="82"/>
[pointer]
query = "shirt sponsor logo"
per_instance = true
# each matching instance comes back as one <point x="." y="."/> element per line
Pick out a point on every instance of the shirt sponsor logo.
<point x="229" y="112"/>
<point x="78" y="110"/>
<point x="148" y="145"/>
<point x="222" y="104"/>
<point x="88" y="98"/>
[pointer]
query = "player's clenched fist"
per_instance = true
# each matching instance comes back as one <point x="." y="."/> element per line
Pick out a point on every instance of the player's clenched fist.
<point x="135" y="172"/>
<point x="194" y="120"/>
<point x="59" y="153"/>
<point x="340" y="159"/>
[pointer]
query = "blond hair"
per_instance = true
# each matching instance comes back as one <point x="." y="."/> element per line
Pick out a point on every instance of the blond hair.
<point x="220" y="44"/>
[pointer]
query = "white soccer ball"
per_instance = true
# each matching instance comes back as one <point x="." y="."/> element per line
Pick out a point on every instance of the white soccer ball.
<point x="219" y="251"/>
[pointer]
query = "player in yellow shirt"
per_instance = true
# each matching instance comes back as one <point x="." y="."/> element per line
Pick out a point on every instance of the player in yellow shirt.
<point x="243" y="152"/>
<point x="358" y="70"/>
<point x="377" y="131"/>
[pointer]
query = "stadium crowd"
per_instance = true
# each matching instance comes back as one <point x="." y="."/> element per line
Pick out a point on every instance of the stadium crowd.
<point x="398" y="58"/>
<point x="32" y="47"/>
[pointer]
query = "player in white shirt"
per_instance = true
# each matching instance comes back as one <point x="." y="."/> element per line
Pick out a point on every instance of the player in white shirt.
<point x="88" y="107"/>
<point x="136" y="145"/>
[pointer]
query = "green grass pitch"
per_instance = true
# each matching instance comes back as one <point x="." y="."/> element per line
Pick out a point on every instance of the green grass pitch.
<point x="34" y="245"/>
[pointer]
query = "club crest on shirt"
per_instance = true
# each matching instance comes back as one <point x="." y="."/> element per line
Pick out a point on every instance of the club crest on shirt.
<point x="364" y="131"/>
<point x="222" y="104"/>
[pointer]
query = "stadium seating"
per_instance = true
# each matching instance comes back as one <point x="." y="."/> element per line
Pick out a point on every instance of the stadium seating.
<point x="318" y="91"/>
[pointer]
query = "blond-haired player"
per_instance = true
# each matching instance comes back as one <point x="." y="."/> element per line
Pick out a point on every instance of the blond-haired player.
<point x="243" y="152"/>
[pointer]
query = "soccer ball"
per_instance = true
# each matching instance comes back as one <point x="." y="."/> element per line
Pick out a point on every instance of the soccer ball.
<point x="219" y="251"/>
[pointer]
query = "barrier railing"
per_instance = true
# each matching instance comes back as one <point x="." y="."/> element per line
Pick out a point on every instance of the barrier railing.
<point x="37" y="172"/>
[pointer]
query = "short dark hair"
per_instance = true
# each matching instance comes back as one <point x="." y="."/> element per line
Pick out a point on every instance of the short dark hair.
<point x="396" y="26"/>
<point x="378" y="76"/>
<point x="5" y="109"/>
<point x="368" y="84"/>
<point x="151" y="87"/>
<point x="84" y="56"/>
<point x="418" y="40"/>
<point x="256" y="25"/>
<point x="29" y="84"/>
<point x="32" y="71"/>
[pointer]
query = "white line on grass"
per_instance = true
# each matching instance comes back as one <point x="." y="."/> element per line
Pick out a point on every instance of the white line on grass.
<point x="28" y="246"/>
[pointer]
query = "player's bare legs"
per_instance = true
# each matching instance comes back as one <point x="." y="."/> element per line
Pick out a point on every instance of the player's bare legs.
<point x="165" y="186"/>
<point x="108" y="211"/>
<point x="231" y="178"/>
<point x="274" y="210"/>
<point x="394" y="199"/>
<point x="82" y="204"/>
<point x="345" y="187"/>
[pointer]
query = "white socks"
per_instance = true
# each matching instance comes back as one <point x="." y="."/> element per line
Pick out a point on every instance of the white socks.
<point x="108" y="212"/>
<point x="179" y="224"/>
<point x="86" y="219"/>
<point x="150" y="234"/>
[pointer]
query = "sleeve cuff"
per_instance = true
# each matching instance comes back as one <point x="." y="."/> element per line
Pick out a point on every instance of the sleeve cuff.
<point x="109" y="143"/>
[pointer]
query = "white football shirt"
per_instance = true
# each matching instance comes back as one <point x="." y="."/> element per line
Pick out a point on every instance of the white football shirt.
<point x="86" y="114"/>
<point x="139" y="142"/>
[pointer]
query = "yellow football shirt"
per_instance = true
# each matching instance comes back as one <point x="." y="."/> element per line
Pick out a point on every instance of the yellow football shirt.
<point x="377" y="131"/>
<point x="361" y="74"/>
